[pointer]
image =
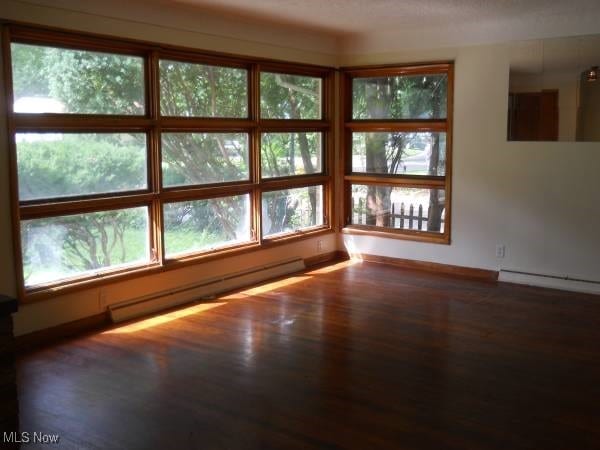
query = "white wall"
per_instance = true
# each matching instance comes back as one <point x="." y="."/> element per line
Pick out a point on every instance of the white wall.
<point x="171" y="26"/>
<point x="538" y="199"/>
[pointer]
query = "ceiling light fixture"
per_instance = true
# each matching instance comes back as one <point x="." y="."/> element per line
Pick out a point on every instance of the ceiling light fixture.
<point x="592" y="73"/>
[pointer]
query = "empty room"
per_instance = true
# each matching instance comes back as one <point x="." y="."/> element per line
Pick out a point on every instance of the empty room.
<point x="285" y="224"/>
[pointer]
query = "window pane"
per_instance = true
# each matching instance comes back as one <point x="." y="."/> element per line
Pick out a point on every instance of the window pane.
<point x="292" y="210"/>
<point x="54" y="165"/>
<point x="58" y="80"/>
<point x="398" y="207"/>
<point x="204" y="158"/>
<point x="399" y="153"/>
<point x="199" y="90"/>
<point x="285" y="96"/>
<point x="204" y="225"/>
<point x="284" y="154"/>
<point x="83" y="244"/>
<point x="400" y="97"/>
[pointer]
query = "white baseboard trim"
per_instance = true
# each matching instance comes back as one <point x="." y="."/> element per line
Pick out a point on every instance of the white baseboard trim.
<point x="553" y="282"/>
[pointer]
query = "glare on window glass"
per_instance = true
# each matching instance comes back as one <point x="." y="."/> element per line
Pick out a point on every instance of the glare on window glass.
<point x="400" y="97"/>
<point x="57" y="248"/>
<point x="291" y="210"/>
<point x="202" y="225"/>
<point x="399" y="153"/>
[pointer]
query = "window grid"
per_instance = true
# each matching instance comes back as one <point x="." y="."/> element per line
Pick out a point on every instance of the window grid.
<point x="351" y="125"/>
<point x="153" y="124"/>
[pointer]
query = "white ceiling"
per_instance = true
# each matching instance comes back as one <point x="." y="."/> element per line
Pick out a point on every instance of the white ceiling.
<point x="346" y="17"/>
<point x="337" y="28"/>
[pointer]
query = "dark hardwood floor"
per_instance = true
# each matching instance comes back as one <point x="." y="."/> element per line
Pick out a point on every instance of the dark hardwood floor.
<point x="353" y="356"/>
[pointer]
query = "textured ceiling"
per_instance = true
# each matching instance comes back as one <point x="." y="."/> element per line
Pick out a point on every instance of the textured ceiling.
<point x="343" y="17"/>
<point x="338" y="28"/>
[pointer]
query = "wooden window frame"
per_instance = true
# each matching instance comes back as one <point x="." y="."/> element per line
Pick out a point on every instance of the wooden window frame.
<point x="349" y="125"/>
<point x="152" y="123"/>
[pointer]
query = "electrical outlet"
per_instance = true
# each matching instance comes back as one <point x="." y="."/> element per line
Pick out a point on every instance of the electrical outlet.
<point x="319" y="245"/>
<point x="500" y="251"/>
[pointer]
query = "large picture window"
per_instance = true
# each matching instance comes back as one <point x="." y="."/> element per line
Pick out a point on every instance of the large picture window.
<point x="130" y="158"/>
<point x="397" y="144"/>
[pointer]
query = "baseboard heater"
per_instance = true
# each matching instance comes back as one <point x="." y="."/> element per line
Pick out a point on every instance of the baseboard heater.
<point x="158" y="301"/>
<point x="551" y="281"/>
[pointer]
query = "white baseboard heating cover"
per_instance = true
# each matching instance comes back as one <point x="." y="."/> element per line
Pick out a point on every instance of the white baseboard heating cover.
<point x="141" y="306"/>
<point x="550" y="281"/>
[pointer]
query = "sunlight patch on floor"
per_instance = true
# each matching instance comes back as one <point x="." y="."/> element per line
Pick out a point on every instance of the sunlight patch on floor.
<point x="333" y="267"/>
<point x="164" y="318"/>
<point x="267" y="287"/>
<point x="199" y="308"/>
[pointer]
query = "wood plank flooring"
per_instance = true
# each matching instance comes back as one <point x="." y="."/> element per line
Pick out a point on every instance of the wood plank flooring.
<point x="349" y="356"/>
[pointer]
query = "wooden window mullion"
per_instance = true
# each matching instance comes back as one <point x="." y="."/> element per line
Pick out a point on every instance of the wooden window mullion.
<point x="349" y="125"/>
<point x="152" y="124"/>
<point x="155" y="174"/>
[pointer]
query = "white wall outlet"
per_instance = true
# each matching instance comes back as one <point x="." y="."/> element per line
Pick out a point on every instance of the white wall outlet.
<point x="500" y="251"/>
<point x="319" y="245"/>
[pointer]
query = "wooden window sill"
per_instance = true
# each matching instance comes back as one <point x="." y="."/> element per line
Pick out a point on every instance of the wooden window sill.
<point x="48" y="291"/>
<point x="409" y="235"/>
